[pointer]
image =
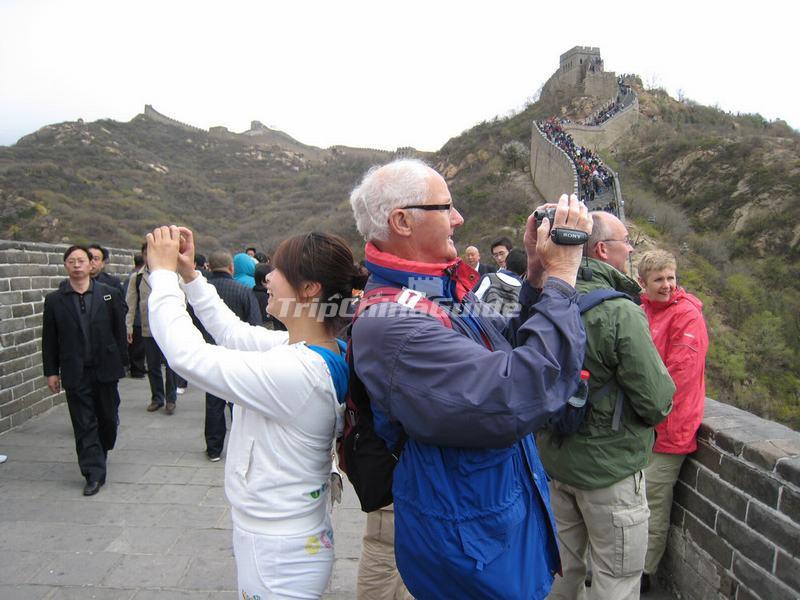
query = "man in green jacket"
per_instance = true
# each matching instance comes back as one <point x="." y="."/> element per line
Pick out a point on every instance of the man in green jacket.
<point x="598" y="487"/>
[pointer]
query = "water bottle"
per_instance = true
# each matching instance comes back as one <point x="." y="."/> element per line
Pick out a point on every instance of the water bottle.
<point x="582" y="393"/>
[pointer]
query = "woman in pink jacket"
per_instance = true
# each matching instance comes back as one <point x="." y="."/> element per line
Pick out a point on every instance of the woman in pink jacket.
<point x="679" y="333"/>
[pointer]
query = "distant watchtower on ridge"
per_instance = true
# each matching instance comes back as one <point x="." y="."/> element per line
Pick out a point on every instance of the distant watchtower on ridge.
<point x="581" y="72"/>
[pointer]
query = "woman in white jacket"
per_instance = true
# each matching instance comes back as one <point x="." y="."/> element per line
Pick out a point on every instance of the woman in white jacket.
<point x="287" y="388"/>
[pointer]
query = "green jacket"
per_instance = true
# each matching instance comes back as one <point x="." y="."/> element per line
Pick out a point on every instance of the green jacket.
<point x="618" y="343"/>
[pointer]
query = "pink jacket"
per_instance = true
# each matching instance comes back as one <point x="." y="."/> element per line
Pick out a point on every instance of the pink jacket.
<point x="679" y="334"/>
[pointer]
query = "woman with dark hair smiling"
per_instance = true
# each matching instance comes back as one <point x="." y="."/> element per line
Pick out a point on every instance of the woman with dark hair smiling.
<point x="287" y="388"/>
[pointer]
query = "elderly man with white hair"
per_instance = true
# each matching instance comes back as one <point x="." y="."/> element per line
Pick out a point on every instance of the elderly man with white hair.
<point x="472" y="507"/>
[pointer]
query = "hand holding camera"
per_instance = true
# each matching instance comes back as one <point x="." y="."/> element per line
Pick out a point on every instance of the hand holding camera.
<point x="553" y="239"/>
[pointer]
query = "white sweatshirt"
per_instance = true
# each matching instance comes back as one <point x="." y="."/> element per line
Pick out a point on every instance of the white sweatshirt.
<point x="279" y="450"/>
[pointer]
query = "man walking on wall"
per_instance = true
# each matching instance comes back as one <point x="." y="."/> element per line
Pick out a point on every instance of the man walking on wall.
<point x="84" y="351"/>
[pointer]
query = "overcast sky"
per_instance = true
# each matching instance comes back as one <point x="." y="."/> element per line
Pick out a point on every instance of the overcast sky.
<point x="373" y="74"/>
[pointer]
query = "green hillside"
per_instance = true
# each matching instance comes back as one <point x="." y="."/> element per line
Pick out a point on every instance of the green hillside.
<point x="719" y="190"/>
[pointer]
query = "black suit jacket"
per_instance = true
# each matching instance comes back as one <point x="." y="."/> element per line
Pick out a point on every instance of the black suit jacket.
<point x="484" y="269"/>
<point x="63" y="342"/>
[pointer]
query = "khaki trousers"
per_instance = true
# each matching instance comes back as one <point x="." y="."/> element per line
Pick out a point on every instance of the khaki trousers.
<point x="378" y="578"/>
<point x="661" y="475"/>
<point x="612" y="523"/>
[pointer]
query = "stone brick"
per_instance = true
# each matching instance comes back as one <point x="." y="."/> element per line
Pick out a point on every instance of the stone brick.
<point x="23" y="270"/>
<point x="727" y="497"/>
<point x="695" y="504"/>
<point x="734" y="440"/>
<point x="790" y="503"/>
<point x="11" y="325"/>
<point x="707" y="455"/>
<point x="33" y="321"/>
<point x="5" y="424"/>
<point x="750" y="480"/>
<point x="787" y="569"/>
<point x="39" y="394"/>
<point x="742" y="593"/>
<point x="5" y="285"/>
<point x="775" y="527"/>
<point x="789" y="469"/>
<point x="746" y="541"/>
<point x="55" y="259"/>
<point x="10" y="408"/>
<point x="709" y="541"/>
<point x="767" y="453"/>
<point x="9" y="381"/>
<point x="22" y="310"/>
<point x="53" y="284"/>
<point x="19" y="417"/>
<point x="38" y="307"/>
<point x="21" y="283"/>
<point x="39" y="283"/>
<point x="23" y="336"/>
<point x="33" y="295"/>
<point x="763" y="584"/>
<point x="10" y="298"/>
<point x="23" y="389"/>
<point x="676" y="516"/>
<point x="688" y="473"/>
<point x="5" y="312"/>
<point x="12" y="366"/>
<point x="5" y="396"/>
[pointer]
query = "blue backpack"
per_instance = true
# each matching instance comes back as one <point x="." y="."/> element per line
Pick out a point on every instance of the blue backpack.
<point x="571" y="418"/>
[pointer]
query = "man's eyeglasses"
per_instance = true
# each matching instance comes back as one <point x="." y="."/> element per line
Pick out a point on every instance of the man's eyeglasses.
<point x="430" y="206"/>
<point x="627" y="241"/>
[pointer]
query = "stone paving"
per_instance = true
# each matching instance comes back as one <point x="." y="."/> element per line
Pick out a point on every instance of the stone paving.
<point x="159" y="529"/>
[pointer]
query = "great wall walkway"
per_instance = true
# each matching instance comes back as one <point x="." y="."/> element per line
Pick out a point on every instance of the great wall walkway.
<point x="158" y="530"/>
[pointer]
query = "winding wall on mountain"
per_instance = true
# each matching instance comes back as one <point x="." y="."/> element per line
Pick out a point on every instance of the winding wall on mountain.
<point x="551" y="169"/>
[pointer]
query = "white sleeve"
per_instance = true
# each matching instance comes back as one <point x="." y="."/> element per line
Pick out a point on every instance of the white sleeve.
<point x="275" y="383"/>
<point x="484" y="284"/>
<point x="223" y="325"/>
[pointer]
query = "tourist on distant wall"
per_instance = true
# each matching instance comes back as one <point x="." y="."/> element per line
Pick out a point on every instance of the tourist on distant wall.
<point x="287" y="389"/>
<point x="679" y="333"/>
<point x="244" y="267"/>
<point x="84" y="351"/>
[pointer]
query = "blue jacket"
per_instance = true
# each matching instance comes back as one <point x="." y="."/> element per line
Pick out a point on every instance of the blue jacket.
<point x="244" y="267"/>
<point x="471" y="502"/>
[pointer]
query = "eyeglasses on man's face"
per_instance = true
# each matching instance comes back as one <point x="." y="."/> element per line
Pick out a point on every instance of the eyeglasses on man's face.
<point x="447" y="206"/>
<point x="627" y="241"/>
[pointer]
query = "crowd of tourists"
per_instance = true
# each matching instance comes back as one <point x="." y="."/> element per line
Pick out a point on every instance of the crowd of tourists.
<point x="472" y="371"/>
<point x="593" y="177"/>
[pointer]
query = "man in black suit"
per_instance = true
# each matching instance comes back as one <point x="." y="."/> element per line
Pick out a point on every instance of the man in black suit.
<point x="83" y="340"/>
<point x="98" y="260"/>
<point x="473" y="258"/>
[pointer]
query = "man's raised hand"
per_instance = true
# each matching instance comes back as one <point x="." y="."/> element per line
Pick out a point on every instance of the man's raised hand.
<point x="558" y="260"/>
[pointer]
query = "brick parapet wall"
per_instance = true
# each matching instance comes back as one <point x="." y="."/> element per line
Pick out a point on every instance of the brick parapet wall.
<point x="28" y="272"/>
<point x="552" y="170"/>
<point x="735" y="529"/>
<point x="599" y="137"/>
